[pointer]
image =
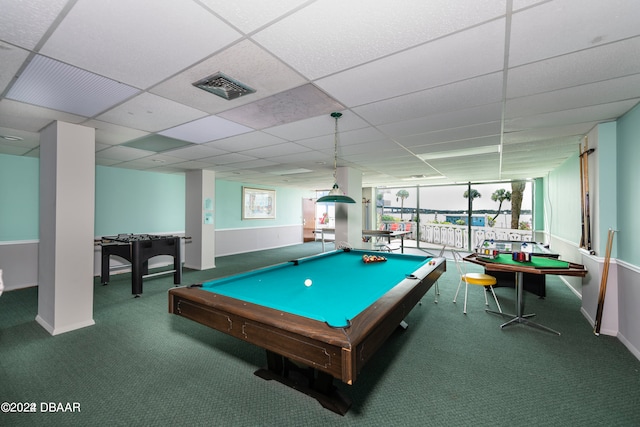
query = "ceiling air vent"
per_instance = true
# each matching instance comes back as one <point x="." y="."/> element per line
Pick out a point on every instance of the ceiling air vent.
<point x="223" y="86"/>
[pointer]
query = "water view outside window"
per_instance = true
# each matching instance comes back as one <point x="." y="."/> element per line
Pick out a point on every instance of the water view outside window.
<point x="439" y="215"/>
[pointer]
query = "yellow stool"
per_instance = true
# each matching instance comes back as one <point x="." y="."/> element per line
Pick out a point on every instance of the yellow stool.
<point x="479" y="279"/>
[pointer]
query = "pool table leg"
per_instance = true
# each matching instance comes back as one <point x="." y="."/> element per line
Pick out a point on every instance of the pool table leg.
<point x="312" y="382"/>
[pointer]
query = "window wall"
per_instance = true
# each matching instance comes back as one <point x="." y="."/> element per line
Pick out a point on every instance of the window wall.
<point x="446" y="215"/>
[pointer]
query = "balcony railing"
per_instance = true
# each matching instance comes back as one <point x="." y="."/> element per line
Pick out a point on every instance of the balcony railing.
<point x="456" y="235"/>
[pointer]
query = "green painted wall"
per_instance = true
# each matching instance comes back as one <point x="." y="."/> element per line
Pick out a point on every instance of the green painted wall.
<point x="563" y="201"/>
<point x="607" y="201"/>
<point x="628" y="177"/>
<point x="19" y="201"/>
<point x="538" y="204"/>
<point x="130" y="201"/>
<point x="228" y="212"/>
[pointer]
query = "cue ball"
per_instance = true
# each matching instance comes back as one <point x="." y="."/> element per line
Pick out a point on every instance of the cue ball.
<point x="308" y="282"/>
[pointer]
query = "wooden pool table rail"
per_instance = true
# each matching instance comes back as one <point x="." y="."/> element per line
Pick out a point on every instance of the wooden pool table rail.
<point x="340" y="352"/>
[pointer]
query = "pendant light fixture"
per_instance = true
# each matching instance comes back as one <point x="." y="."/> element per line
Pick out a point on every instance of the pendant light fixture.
<point x="335" y="195"/>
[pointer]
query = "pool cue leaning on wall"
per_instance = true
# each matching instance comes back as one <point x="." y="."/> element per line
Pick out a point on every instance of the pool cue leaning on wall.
<point x="603" y="282"/>
<point x="582" y="212"/>
<point x="586" y="204"/>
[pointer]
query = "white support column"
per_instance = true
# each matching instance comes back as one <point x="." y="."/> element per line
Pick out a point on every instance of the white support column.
<point x="67" y="212"/>
<point x="349" y="215"/>
<point x="199" y="214"/>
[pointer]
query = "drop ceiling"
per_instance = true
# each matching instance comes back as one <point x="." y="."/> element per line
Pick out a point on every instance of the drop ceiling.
<point x="431" y="91"/>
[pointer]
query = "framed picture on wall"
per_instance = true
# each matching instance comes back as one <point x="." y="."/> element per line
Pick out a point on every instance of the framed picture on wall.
<point x="258" y="203"/>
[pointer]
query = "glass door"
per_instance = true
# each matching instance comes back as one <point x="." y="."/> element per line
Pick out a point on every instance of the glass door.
<point x="446" y="215"/>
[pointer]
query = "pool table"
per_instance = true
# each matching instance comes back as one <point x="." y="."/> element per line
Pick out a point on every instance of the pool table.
<point x="319" y="318"/>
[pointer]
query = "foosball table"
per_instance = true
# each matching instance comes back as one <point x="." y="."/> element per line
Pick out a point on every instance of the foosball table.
<point x="138" y="249"/>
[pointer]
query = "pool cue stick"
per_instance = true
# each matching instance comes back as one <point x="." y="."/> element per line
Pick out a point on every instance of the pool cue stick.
<point x="582" y="239"/>
<point x="603" y="283"/>
<point x="587" y="209"/>
<point x="585" y="156"/>
<point x="587" y="201"/>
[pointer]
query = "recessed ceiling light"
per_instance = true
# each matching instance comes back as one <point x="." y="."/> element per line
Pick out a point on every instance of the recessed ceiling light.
<point x="11" y="138"/>
<point x="421" y="177"/>
<point x="487" y="149"/>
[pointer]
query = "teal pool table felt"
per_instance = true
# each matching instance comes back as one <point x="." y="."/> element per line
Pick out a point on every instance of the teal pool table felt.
<point x="343" y="285"/>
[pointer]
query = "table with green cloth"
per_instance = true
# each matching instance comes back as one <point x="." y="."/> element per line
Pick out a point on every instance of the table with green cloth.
<point x="537" y="265"/>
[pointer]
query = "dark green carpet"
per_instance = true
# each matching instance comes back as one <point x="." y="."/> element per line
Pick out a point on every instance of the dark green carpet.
<point x="140" y="366"/>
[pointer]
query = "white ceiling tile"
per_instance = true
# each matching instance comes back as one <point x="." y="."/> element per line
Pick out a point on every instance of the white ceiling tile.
<point x="285" y="107"/>
<point x="390" y="157"/>
<point x="578" y="96"/>
<point x="578" y="115"/>
<point x="345" y="138"/>
<point x="106" y="162"/>
<point x="151" y="113"/>
<point x="324" y="142"/>
<point x="100" y="146"/>
<point x="11" y="58"/>
<point x="552" y="132"/>
<point x="183" y="30"/>
<point x="316" y="126"/>
<point x="122" y="153"/>
<point x="168" y="170"/>
<point x="471" y="143"/>
<point x="107" y="133"/>
<point x="491" y="129"/>
<point x="206" y="129"/>
<point x="307" y="158"/>
<point x="164" y="159"/>
<point x="277" y="150"/>
<point x="27" y="139"/>
<point x="244" y="62"/>
<point x="246" y="141"/>
<point x="560" y="27"/>
<point x="193" y="164"/>
<point x="357" y="31"/>
<point x="430" y="75"/>
<point x="27" y="142"/>
<point x="463" y="55"/>
<point x="13" y="150"/>
<point x="18" y="115"/>
<point x="587" y="66"/>
<point x="359" y="136"/>
<point x="254" y="164"/>
<point x="467" y="117"/>
<point x="52" y="84"/>
<point x="24" y="22"/>
<point x="230" y="158"/>
<point x="367" y="147"/>
<point x="462" y="163"/>
<point x="195" y="152"/>
<point x="249" y="15"/>
<point x="540" y="147"/>
<point x="141" y="164"/>
<point x="521" y="4"/>
<point x="433" y="102"/>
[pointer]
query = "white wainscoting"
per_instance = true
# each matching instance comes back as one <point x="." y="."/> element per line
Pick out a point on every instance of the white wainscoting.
<point x="19" y="264"/>
<point x="240" y="240"/>
<point x="19" y="259"/>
